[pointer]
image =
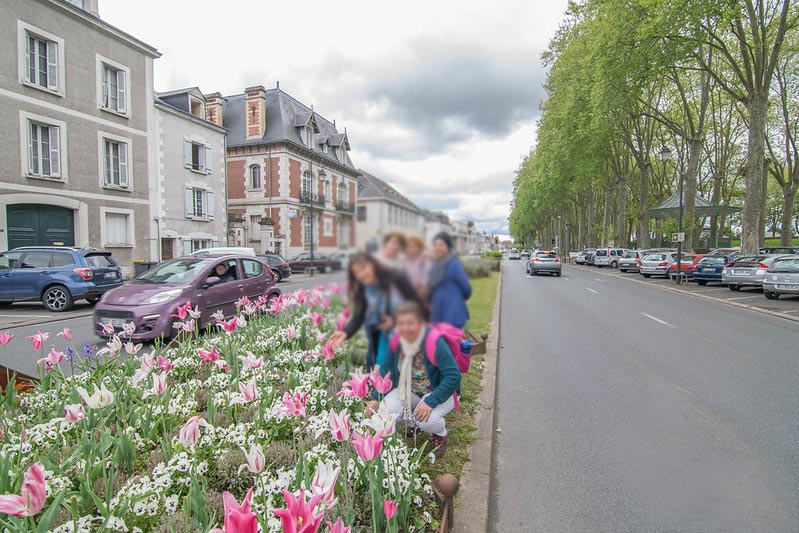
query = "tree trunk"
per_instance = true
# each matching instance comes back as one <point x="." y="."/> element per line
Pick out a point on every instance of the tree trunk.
<point x="605" y="215"/>
<point x="786" y="229"/>
<point x="590" y="217"/>
<point x="691" y="177"/>
<point x="715" y="221"/>
<point x="621" y="213"/>
<point x="752" y="226"/>
<point x="643" y="207"/>
<point x="580" y="224"/>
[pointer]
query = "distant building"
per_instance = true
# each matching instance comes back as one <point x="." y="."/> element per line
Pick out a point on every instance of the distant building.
<point x="76" y="131"/>
<point x="382" y="209"/>
<point x="290" y="180"/>
<point x="189" y="199"/>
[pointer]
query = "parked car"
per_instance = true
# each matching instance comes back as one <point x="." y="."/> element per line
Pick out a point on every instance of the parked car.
<point x="688" y="263"/>
<point x="631" y="259"/>
<point x="747" y="271"/>
<point x="345" y="257"/>
<point x="782" y="277"/>
<point x="56" y="275"/>
<point x="657" y="264"/>
<point x="582" y="258"/>
<point x="320" y="262"/>
<point x="279" y="266"/>
<point x="548" y="262"/>
<point x="779" y="250"/>
<point x="525" y="253"/>
<point x="211" y="283"/>
<point x="238" y="250"/>
<point x="608" y="257"/>
<point x="514" y="255"/>
<point x="710" y="269"/>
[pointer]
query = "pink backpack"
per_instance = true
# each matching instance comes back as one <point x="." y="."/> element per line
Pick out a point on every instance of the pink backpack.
<point x="452" y="336"/>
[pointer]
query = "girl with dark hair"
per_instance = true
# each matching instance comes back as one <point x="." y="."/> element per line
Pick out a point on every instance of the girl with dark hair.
<point x="449" y="285"/>
<point x="375" y="294"/>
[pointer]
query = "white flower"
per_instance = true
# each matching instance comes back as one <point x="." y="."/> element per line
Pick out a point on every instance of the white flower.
<point x="100" y="398"/>
<point x="255" y="459"/>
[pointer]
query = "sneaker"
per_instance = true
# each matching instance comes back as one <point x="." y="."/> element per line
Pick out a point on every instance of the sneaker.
<point x="439" y="445"/>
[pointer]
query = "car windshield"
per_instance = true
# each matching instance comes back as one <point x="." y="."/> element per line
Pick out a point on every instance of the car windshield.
<point x="629" y="255"/>
<point x="750" y="259"/>
<point x="655" y="257"/>
<point x="717" y="260"/>
<point x="100" y="261"/>
<point x="175" y="271"/>
<point x="788" y="266"/>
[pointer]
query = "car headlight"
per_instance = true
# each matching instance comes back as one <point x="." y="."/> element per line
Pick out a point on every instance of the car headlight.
<point x="163" y="296"/>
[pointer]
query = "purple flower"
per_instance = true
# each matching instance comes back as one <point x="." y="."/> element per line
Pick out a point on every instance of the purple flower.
<point x="87" y="349"/>
<point x="70" y="352"/>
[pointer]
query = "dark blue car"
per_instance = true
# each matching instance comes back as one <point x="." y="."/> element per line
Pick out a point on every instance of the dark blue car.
<point x="56" y="275"/>
<point x="709" y="268"/>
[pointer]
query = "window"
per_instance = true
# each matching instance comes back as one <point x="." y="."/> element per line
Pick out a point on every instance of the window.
<point x="115" y="163"/>
<point x="41" y="62"/>
<point x="78" y="3"/>
<point x="327" y="190"/>
<point x="36" y="260"/>
<point x="197" y="156"/>
<point x="327" y="227"/>
<point x="255" y="176"/>
<point x="62" y="259"/>
<point x="343" y="232"/>
<point x="309" y="136"/>
<point x="255" y="224"/>
<point x="342" y="154"/>
<point x="361" y="213"/>
<point x="342" y="195"/>
<point x="307" y="180"/>
<point x="324" y="147"/>
<point x="251" y="268"/>
<point x="199" y="244"/>
<point x="44" y="150"/>
<point x="197" y="108"/>
<point x="116" y="229"/>
<point x="307" y="229"/>
<point x="199" y="203"/>
<point x="114" y="89"/>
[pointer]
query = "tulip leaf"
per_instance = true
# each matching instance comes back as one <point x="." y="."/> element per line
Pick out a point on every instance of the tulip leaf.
<point x="49" y="515"/>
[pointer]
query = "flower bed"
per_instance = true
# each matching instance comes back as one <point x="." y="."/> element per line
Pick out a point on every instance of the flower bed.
<point x="257" y="412"/>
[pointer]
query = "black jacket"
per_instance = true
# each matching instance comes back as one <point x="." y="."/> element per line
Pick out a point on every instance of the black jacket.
<point x="394" y="280"/>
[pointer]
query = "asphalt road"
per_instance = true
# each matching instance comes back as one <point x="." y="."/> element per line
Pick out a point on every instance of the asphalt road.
<point x="26" y="319"/>
<point x="624" y="407"/>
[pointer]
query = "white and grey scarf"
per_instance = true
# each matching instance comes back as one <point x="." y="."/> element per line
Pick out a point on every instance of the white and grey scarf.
<point x="409" y="350"/>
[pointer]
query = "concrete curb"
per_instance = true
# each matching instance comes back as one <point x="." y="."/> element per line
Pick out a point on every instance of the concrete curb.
<point x="471" y="511"/>
<point x="704" y="297"/>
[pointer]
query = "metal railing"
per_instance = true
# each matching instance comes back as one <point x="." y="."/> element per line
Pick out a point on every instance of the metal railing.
<point x="311" y="198"/>
<point x="345" y="206"/>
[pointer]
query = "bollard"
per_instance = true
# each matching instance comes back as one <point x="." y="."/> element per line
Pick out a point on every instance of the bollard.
<point x="448" y="486"/>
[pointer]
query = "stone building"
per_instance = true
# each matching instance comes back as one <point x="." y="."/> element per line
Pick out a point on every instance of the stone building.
<point x="383" y="209"/>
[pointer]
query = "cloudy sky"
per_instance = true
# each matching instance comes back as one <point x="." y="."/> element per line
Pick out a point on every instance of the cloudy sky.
<point x="439" y="97"/>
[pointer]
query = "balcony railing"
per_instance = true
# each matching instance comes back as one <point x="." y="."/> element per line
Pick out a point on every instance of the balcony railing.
<point x="309" y="198"/>
<point x="345" y="207"/>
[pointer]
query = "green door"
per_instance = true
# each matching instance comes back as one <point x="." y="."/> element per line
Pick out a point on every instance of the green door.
<point x="40" y="225"/>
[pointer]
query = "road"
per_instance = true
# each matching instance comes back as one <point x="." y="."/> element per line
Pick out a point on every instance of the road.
<point x="624" y="407"/>
<point x="26" y="319"/>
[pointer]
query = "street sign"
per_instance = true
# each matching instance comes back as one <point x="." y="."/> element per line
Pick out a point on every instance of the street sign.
<point x="678" y="237"/>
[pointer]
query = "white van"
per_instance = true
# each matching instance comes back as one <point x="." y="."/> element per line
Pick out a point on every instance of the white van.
<point x="608" y="257"/>
<point x="221" y="250"/>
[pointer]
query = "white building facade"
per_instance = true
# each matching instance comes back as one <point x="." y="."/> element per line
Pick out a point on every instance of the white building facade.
<point x="382" y="210"/>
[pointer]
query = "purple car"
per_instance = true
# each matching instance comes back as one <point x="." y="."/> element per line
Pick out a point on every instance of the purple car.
<point x="209" y="282"/>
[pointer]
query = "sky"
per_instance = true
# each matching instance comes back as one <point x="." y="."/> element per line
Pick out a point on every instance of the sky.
<point x="440" y="98"/>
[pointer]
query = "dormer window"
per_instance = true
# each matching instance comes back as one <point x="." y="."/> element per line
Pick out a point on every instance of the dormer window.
<point x="309" y="136"/>
<point x="324" y="147"/>
<point x="342" y="154"/>
<point x="197" y="107"/>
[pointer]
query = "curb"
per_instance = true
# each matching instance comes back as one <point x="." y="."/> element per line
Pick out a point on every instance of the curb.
<point x="707" y="297"/>
<point x="471" y="510"/>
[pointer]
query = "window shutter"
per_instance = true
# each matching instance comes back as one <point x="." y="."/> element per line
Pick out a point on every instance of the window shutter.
<point x="55" y="151"/>
<point x="209" y="204"/>
<point x="52" y="65"/>
<point x="28" y="62"/>
<point x="105" y="88"/>
<point x="31" y="149"/>
<point x="208" y="158"/>
<point x="187" y="247"/>
<point x="186" y="153"/>
<point x="122" y="92"/>
<point x="123" y="164"/>
<point x="188" y="196"/>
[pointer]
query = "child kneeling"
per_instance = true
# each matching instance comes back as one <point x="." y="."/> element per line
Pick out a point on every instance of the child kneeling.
<point x="424" y="384"/>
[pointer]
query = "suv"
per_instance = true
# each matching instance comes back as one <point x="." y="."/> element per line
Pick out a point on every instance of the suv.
<point x="608" y="257"/>
<point x="56" y="275"/>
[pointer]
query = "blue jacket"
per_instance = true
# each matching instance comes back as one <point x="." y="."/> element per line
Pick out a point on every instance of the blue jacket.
<point x="449" y="297"/>
<point x="444" y="378"/>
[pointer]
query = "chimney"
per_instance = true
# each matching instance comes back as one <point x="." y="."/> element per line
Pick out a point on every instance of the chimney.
<point x="213" y="108"/>
<point x="255" y="100"/>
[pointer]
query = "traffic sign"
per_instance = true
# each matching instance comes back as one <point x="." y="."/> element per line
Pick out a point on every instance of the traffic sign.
<point x="678" y="237"/>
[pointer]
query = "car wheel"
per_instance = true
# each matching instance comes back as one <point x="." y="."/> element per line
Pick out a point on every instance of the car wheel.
<point x="647" y="275"/>
<point x="734" y="288"/>
<point x="278" y="276"/>
<point x="614" y="264"/>
<point x="701" y="282"/>
<point x="771" y="295"/>
<point x="328" y="269"/>
<point x="93" y="299"/>
<point x="57" y="299"/>
<point x="557" y="274"/>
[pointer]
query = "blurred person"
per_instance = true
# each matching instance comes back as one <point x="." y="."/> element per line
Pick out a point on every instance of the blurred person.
<point x="375" y="294"/>
<point x="417" y="265"/>
<point x="449" y="285"/>
<point x="424" y="374"/>
<point x="393" y="247"/>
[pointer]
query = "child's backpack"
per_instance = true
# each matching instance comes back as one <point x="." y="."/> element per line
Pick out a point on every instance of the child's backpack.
<point x="452" y="336"/>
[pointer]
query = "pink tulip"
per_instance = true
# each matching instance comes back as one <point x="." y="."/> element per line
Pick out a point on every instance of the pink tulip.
<point x="341" y="322"/>
<point x="218" y="315"/>
<point x="194" y="313"/>
<point x="98" y="399"/>
<point x="256" y="460"/>
<point x="293" y="405"/>
<point x="249" y="393"/>
<point x="357" y="386"/>
<point x="159" y="386"/>
<point x="276" y="306"/>
<point x="338" y="527"/>
<point x="66" y="333"/>
<point x="32" y="497"/>
<point x="324" y="484"/>
<point x="382" y="384"/>
<point x="108" y="328"/>
<point x="128" y="329"/>
<point x="335" y="288"/>
<point x="328" y="353"/>
<point x="190" y="432"/>
<point x="243" y="301"/>
<point x="209" y="357"/>
<point x="291" y="332"/>
<point x="339" y="425"/>
<point x="299" y="516"/>
<point x="346" y="313"/>
<point x="321" y="338"/>
<point x="74" y="413"/>
<point x="367" y="447"/>
<point x="147" y="365"/>
<point x="300" y="296"/>
<point x="228" y="326"/>
<point x="38" y="338"/>
<point x="390" y="508"/>
<point x="182" y="311"/>
<point x="132" y="349"/>
<point x="238" y="518"/>
<point x="316" y="318"/>
<point x="52" y="360"/>
<point x="382" y="421"/>
<point x="252" y="362"/>
<point x="5" y="338"/>
<point x="163" y="364"/>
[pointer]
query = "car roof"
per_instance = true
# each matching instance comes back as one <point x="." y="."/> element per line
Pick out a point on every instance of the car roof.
<point x="87" y="250"/>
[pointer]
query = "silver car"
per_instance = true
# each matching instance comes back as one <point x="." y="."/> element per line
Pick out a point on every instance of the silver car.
<point x="782" y="277"/>
<point x="631" y="259"/>
<point x="657" y="264"/>
<point x="548" y="262"/>
<point x="747" y="271"/>
<point x="608" y="257"/>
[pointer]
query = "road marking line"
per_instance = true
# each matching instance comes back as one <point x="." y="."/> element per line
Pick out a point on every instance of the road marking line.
<point x="745" y="297"/>
<point x="564" y="277"/>
<point x="599" y="280"/>
<point x="656" y="319"/>
<point x="592" y="290"/>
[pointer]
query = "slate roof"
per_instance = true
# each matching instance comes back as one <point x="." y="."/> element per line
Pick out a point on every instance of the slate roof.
<point x="285" y="118"/>
<point x="670" y="208"/>
<point x="178" y="100"/>
<point x="372" y="187"/>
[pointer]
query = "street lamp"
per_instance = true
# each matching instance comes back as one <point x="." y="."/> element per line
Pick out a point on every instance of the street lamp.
<point x="314" y="196"/>
<point x="665" y="155"/>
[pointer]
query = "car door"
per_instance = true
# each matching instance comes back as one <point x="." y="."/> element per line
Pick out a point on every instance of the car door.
<point x="33" y="272"/>
<point x="9" y="262"/>
<point x="222" y="295"/>
<point x="257" y="278"/>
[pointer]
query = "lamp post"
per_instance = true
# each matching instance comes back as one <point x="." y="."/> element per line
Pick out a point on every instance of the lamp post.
<point x="665" y="155"/>
<point x="322" y="175"/>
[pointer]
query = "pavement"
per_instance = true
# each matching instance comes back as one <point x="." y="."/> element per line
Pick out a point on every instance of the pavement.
<point x="23" y="319"/>
<point x="625" y="407"/>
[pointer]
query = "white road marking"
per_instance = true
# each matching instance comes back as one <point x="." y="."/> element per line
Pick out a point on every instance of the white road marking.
<point x="592" y="290"/>
<point x="656" y="319"/>
<point x="564" y="277"/>
<point x="745" y="297"/>
<point x="599" y="280"/>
